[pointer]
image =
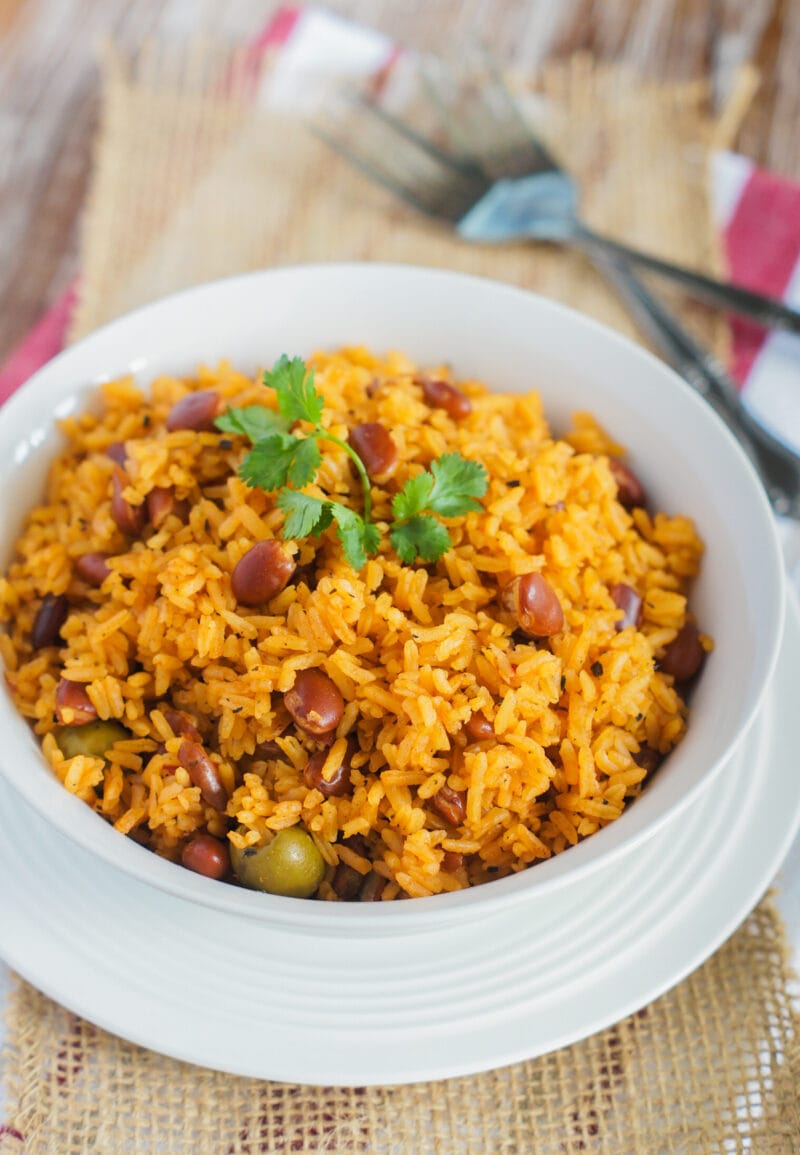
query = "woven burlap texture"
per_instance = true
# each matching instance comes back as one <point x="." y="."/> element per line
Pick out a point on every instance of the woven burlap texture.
<point x="194" y="181"/>
<point x="713" y="1066"/>
<point x="192" y="184"/>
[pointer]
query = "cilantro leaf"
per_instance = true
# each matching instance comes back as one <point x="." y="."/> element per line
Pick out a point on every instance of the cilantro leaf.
<point x="449" y="489"/>
<point x="298" y="400"/>
<point x="305" y="515"/>
<point x="279" y="458"/>
<point x="457" y="482"/>
<point x="371" y="538"/>
<point x="268" y="463"/>
<point x="312" y="515"/>
<point x="421" y="535"/>
<point x="254" y="421"/>
<point x="358" y="538"/>
<point x="413" y="497"/>
<point x="305" y="463"/>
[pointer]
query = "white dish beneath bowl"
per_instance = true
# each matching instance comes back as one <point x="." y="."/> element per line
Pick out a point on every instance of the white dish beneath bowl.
<point x="224" y="991"/>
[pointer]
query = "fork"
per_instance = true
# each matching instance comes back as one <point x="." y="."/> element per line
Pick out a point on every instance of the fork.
<point x="525" y="194"/>
<point x="455" y="186"/>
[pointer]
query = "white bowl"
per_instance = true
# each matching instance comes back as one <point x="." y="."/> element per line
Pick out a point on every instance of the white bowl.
<point x="513" y="341"/>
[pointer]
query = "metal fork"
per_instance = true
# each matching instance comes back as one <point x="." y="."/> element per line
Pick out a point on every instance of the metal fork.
<point x="519" y="191"/>
<point x="499" y="172"/>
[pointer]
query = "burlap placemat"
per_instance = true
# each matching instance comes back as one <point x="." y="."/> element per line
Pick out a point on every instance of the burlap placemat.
<point x="193" y="183"/>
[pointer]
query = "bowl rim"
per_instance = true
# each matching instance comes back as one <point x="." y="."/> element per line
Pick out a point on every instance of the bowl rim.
<point x="606" y="845"/>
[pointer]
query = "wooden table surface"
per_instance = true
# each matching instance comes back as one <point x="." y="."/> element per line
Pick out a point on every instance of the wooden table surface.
<point x="49" y="88"/>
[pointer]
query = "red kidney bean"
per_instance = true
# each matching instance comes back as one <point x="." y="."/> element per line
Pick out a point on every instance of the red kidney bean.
<point x="648" y="758"/>
<point x="346" y="882"/>
<point x="450" y="804"/>
<point x="261" y="573"/>
<point x="358" y="844"/>
<point x="625" y="598"/>
<point x="334" y="787"/>
<point x="181" y="724"/>
<point x="630" y="491"/>
<point x="93" y="568"/>
<point x="206" y="855"/>
<point x="314" y="702"/>
<point x="554" y="755"/>
<point x="372" y="887"/>
<point x="442" y="395"/>
<point x="308" y="574"/>
<point x="265" y="751"/>
<point x="117" y="452"/>
<point x="684" y="655"/>
<point x="129" y="518"/>
<point x="50" y="618"/>
<point x="375" y="446"/>
<point x="478" y="727"/>
<point x="535" y="604"/>
<point x="194" y="411"/>
<point x="203" y="773"/>
<point x="74" y="707"/>
<point x="161" y="503"/>
<point x="452" y="861"/>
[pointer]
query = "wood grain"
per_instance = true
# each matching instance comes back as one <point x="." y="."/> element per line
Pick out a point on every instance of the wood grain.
<point x="49" y="87"/>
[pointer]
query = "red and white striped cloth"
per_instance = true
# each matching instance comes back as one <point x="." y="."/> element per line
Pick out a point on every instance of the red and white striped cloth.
<point x="759" y="215"/>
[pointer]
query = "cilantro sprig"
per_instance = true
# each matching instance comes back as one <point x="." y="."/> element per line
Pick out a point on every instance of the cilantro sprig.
<point x="449" y="489"/>
<point x="287" y="460"/>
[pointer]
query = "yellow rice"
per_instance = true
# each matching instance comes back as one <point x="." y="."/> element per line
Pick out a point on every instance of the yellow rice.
<point x="414" y="650"/>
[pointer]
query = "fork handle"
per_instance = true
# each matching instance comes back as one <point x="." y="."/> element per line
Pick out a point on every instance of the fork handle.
<point x="777" y="465"/>
<point x="725" y="295"/>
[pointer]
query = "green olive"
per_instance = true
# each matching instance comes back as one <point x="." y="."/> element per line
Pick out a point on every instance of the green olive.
<point x="289" y="864"/>
<point x="93" y="739"/>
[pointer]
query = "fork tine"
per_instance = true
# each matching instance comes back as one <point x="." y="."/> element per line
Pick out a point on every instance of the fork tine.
<point x="512" y="105"/>
<point x="452" y="123"/>
<point x="402" y="128"/>
<point x="415" y="197"/>
<point x="498" y="139"/>
<point x="426" y="176"/>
